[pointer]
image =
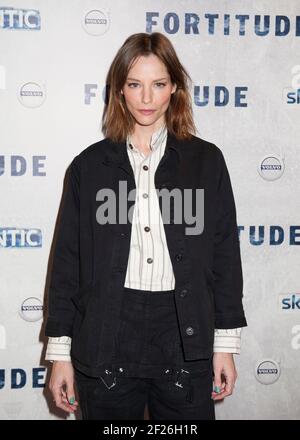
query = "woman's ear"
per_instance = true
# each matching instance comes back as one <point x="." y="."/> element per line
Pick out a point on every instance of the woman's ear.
<point x="174" y="88"/>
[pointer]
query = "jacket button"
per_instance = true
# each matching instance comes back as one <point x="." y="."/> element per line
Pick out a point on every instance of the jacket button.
<point x="189" y="331"/>
<point x="149" y="260"/>
<point x="178" y="257"/>
<point x="145" y="168"/>
<point x="183" y="293"/>
<point x="147" y="229"/>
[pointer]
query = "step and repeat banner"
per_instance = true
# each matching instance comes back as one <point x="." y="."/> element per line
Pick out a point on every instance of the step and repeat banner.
<point x="244" y="61"/>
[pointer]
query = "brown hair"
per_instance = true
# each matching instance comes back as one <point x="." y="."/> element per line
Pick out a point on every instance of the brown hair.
<point x="116" y="121"/>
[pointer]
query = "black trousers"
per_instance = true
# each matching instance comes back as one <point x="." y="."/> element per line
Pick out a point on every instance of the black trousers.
<point x="148" y="368"/>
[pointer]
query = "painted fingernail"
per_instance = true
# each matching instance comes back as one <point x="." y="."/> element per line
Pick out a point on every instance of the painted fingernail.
<point x="217" y="389"/>
<point x="72" y="400"/>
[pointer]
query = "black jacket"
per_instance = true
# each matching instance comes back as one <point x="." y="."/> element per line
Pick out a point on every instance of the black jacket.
<point x="90" y="259"/>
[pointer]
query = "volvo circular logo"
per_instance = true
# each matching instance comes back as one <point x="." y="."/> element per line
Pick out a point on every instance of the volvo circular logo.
<point x="271" y="167"/>
<point x="267" y="371"/>
<point x="31" y="309"/>
<point x="32" y="94"/>
<point x="96" y="22"/>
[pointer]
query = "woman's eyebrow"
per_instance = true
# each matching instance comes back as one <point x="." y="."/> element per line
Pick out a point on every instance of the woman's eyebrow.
<point x="134" y="79"/>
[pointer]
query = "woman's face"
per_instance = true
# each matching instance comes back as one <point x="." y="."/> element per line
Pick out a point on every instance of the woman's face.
<point x="148" y="87"/>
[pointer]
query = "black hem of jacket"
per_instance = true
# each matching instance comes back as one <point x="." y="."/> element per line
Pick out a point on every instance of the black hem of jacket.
<point x="204" y="354"/>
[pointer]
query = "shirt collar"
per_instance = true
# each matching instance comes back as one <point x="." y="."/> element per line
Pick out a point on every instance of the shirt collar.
<point x="156" y="139"/>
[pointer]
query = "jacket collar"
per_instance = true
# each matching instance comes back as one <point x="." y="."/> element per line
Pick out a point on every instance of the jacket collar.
<point x="116" y="153"/>
<point x="156" y="140"/>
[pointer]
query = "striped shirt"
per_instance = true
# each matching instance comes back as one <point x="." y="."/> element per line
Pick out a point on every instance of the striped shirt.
<point x="149" y="265"/>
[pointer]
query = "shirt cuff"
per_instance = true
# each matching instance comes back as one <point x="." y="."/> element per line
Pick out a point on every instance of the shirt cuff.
<point x="58" y="349"/>
<point x="227" y="340"/>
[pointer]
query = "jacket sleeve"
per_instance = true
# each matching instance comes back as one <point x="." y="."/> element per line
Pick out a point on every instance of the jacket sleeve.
<point x="64" y="280"/>
<point x="227" y="268"/>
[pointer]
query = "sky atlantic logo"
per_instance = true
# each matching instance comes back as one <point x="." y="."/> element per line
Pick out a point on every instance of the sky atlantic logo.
<point x="177" y="206"/>
<point x="20" y="238"/>
<point x="289" y="302"/>
<point x="20" y="19"/>
<point x="291" y="94"/>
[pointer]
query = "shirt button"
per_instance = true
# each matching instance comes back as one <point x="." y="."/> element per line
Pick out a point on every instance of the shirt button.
<point x="147" y="229"/>
<point x="145" y="195"/>
<point x="189" y="331"/>
<point x="145" y="168"/>
<point x="149" y="260"/>
<point x="178" y="257"/>
<point x="183" y="293"/>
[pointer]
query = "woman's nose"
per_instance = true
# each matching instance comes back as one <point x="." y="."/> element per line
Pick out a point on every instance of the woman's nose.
<point x="146" y="96"/>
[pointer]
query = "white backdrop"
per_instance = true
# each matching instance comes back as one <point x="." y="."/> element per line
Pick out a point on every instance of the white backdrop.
<point x="243" y="57"/>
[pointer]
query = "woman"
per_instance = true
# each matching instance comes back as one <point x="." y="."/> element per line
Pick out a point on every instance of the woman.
<point x="143" y="308"/>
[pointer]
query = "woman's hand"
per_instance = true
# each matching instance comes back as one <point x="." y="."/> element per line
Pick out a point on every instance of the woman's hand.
<point x="223" y="365"/>
<point x="62" y="376"/>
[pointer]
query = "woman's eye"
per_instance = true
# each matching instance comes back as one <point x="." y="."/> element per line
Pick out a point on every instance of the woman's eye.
<point x="159" y="84"/>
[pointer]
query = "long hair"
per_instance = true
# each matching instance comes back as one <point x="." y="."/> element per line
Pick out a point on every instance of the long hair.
<point x="117" y="121"/>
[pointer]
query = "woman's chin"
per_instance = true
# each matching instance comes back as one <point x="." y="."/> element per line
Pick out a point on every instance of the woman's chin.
<point x="145" y="121"/>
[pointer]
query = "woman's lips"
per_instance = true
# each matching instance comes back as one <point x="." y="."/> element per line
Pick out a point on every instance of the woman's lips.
<point x="147" y="112"/>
